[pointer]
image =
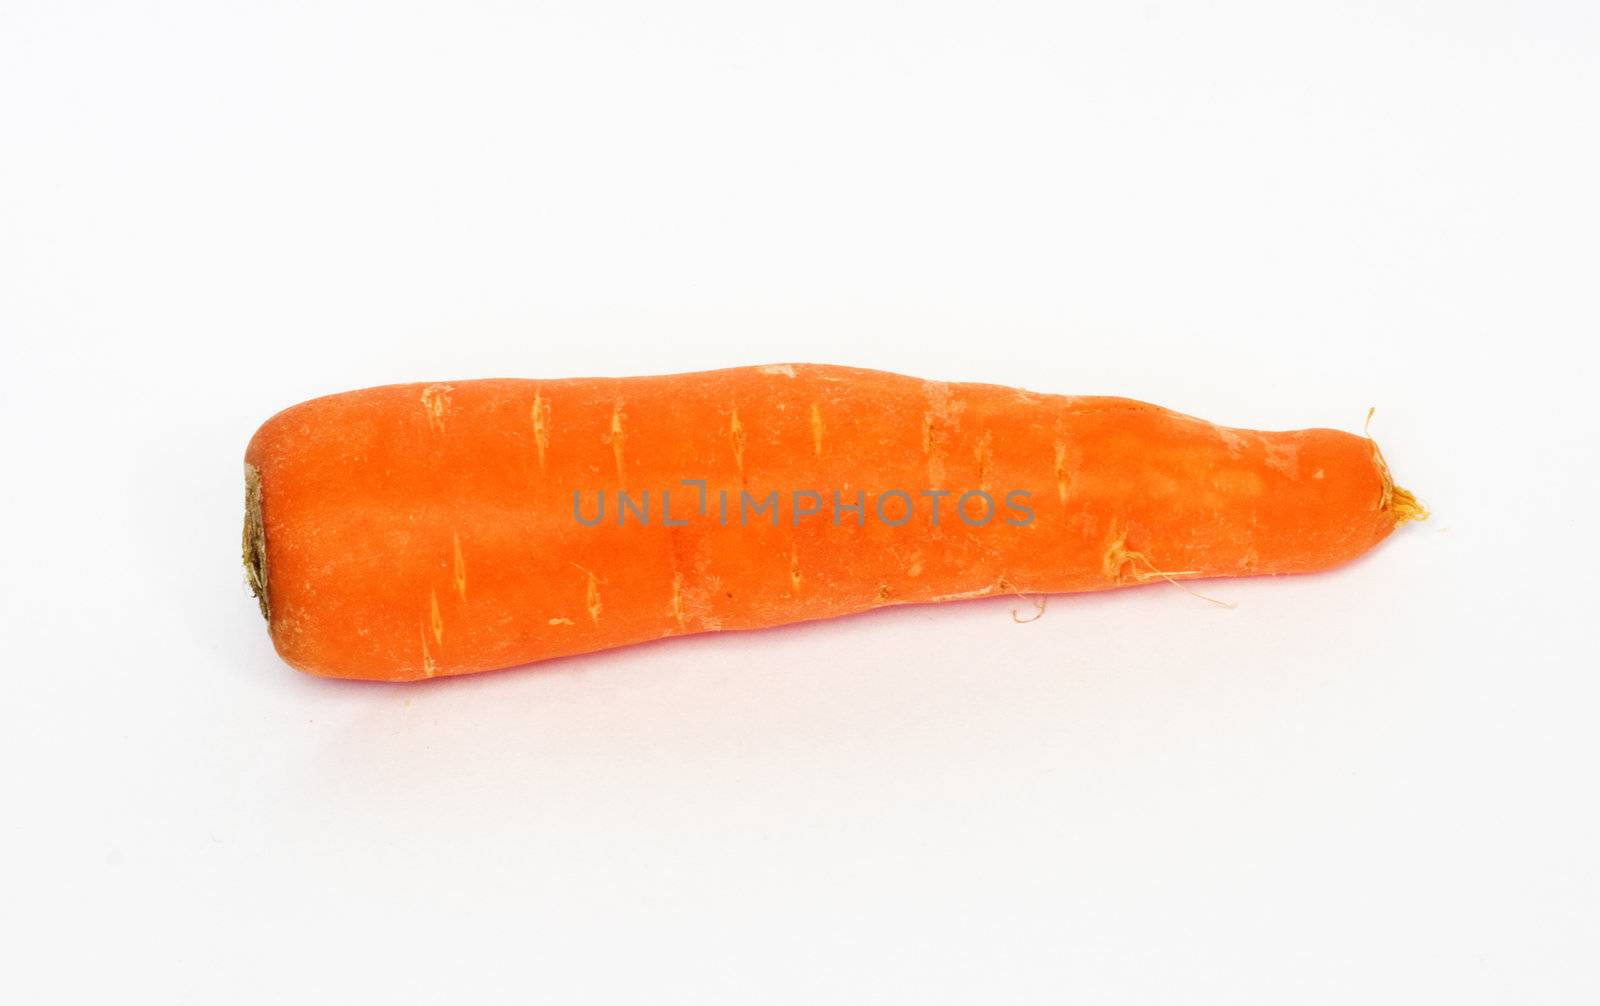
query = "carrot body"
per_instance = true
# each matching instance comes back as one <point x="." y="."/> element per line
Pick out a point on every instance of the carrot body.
<point x="420" y="530"/>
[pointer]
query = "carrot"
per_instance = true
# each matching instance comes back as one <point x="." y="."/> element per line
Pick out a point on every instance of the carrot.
<point x="421" y="530"/>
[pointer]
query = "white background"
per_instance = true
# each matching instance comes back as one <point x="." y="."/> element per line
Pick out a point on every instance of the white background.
<point x="1374" y="785"/>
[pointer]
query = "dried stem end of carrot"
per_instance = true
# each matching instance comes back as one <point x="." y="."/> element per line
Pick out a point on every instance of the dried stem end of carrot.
<point x="255" y="541"/>
<point x="1405" y="506"/>
<point x="1402" y="503"/>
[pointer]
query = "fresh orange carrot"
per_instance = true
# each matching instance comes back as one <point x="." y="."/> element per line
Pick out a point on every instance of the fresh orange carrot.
<point x="421" y="530"/>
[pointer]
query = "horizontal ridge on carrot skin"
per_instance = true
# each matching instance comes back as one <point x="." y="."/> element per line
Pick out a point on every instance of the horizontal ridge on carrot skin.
<point x="420" y="530"/>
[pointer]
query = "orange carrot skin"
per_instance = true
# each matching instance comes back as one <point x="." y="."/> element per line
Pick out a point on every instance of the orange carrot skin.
<point x="422" y="530"/>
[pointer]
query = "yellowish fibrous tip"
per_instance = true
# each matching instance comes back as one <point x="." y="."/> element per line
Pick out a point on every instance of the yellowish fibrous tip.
<point x="1405" y="506"/>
